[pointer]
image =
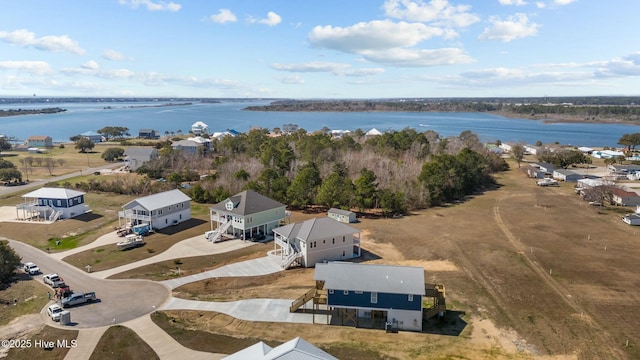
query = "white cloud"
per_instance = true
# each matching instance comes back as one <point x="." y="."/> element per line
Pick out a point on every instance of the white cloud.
<point x="34" y="67"/>
<point x="91" y="65"/>
<point x="26" y="38"/>
<point x="514" y="27"/>
<point x="540" y="5"/>
<point x="112" y="55"/>
<point x="339" y="69"/>
<point x="291" y="80"/>
<point x="621" y="67"/>
<point x="419" y="57"/>
<point x="439" y="12"/>
<point x="563" y="2"/>
<point x="223" y="16"/>
<point x="373" y="35"/>
<point x="512" y="2"/>
<point x="272" y="19"/>
<point x="151" y="5"/>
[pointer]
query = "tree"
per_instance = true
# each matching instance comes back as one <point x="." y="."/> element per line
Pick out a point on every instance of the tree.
<point x="50" y="163"/>
<point x="4" y="144"/>
<point x="336" y="191"/>
<point x="517" y="153"/>
<point x="366" y="189"/>
<point x="5" y="164"/>
<point x="110" y="132"/>
<point x="304" y="186"/>
<point x="392" y="203"/>
<point x="241" y="174"/>
<point x="9" y="261"/>
<point x="10" y="175"/>
<point x="83" y="144"/>
<point x="112" y="154"/>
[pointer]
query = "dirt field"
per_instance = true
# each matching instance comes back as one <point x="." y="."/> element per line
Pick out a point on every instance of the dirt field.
<point x="525" y="268"/>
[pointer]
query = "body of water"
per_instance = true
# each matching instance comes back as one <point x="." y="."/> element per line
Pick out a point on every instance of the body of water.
<point x="83" y="117"/>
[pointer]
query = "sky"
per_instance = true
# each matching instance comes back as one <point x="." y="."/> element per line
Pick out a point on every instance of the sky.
<point x="319" y="49"/>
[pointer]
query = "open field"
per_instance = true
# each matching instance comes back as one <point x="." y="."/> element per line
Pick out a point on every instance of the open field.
<point x="120" y="342"/>
<point x="525" y="267"/>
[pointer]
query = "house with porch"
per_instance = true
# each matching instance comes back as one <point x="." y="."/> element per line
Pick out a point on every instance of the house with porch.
<point x="365" y="292"/>
<point x="134" y="157"/>
<point x="623" y="197"/>
<point x="188" y="146"/>
<point x="158" y="210"/>
<point x="316" y="240"/>
<point x="51" y="204"/>
<point x="199" y="128"/>
<point x="93" y="136"/>
<point x="246" y="215"/>
<point x="148" y="134"/>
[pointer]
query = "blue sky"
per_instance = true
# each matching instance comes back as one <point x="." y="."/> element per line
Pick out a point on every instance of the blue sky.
<point x="319" y="49"/>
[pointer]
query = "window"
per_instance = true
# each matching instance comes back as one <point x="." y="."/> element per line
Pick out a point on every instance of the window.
<point x="166" y="221"/>
<point x="374" y="297"/>
<point x="324" y="241"/>
<point x="343" y="253"/>
<point x="59" y="203"/>
<point x="334" y="241"/>
<point x="343" y="239"/>
<point x="410" y="297"/>
<point x="346" y="292"/>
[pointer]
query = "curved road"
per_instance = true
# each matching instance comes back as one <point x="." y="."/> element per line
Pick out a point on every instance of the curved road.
<point x="119" y="300"/>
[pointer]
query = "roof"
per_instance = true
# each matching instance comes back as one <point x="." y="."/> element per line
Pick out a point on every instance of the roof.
<point x="295" y="349"/>
<point x="340" y="211"/>
<point x="90" y="133"/>
<point x="371" y="277"/>
<point x="199" y="125"/>
<point x="159" y="200"/>
<point x="38" y="137"/>
<point x="565" y="172"/>
<point x="186" y="143"/>
<point x="248" y="202"/>
<point x="315" y="229"/>
<point x="373" y="131"/>
<point x="624" y="193"/>
<point x="140" y="151"/>
<point x="53" y="193"/>
<point x="146" y="130"/>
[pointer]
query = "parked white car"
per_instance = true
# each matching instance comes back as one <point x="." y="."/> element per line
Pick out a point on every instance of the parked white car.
<point x="31" y="268"/>
<point x="54" y="311"/>
<point x="53" y="280"/>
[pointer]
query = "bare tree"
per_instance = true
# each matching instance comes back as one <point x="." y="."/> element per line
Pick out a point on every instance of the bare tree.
<point x="49" y="163"/>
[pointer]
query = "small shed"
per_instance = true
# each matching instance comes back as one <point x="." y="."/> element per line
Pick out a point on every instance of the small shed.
<point x="344" y="216"/>
<point x="566" y="175"/>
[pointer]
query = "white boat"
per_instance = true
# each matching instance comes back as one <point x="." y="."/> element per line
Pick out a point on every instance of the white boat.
<point x="130" y="241"/>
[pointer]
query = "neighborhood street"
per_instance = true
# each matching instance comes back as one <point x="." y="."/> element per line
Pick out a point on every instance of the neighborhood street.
<point x="119" y="300"/>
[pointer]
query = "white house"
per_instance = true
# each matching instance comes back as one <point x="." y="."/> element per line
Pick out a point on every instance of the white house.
<point x="607" y="154"/>
<point x="632" y="219"/>
<point x="344" y="216"/>
<point x="622" y="197"/>
<point x="316" y="240"/>
<point x="199" y="128"/>
<point x="206" y="143"/>
<point x="297" y="349"/>
<point x="134" y="157"/>
<point x="246" y="215"/>
<point x="158" y="210"/>
<point x="51" y="204"/>
<point x="187" y="146"/>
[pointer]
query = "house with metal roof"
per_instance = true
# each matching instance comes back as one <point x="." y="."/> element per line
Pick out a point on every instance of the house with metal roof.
<point x="316" y="240"/>
<point x="566" y="175"/>
<point x="93" y="136"/>
<point x="623" y="197"/>
<point x="188" y="146"/>
<point x="134" y="157"/>
<point x="199" y="128"/>
<point x="158" y="210"/>
<point x="148" y="134"/>
<point x="388" y="292"/>
<point x="246" y="215"/>
<point x="51" y="204"/>
<point x="297" y="349"/>
<point x="344" y="216"/>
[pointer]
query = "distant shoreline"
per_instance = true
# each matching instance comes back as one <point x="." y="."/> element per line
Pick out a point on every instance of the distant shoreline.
<point x="17" y="112"/>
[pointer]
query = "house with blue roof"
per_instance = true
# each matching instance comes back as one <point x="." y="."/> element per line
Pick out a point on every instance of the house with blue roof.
<point x="93" y="136"/>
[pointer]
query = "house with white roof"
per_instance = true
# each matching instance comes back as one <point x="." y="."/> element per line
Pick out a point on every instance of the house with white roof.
<point x="188" y="146"/>
<point x="199" y="128"/>
<point x="158" y="210"/>
<point x="316" y="240"/>
<point x="373" y="132"/>
<point x="206" y="143"/>
<point x="246" y="215"/>
<point x="93" y="136"/>
<point x="344" y="216"/>
<point x="297" y="349"/>
<point x="51" y="204"/>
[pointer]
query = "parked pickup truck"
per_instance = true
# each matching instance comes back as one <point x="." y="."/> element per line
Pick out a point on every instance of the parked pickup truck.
<point x="53" y="280"/>
<point x="78" y="298"/>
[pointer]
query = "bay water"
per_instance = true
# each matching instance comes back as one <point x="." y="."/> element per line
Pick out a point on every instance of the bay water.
<point x="92" y="116"/>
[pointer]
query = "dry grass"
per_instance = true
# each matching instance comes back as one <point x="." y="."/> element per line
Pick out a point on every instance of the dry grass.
<point x="31" y="296"/>
<point x="48" y="334"/>
<point x="120" y="342"/>
<point x="192" y="265"/>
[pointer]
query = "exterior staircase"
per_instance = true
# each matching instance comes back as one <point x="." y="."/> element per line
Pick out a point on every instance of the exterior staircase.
<point x="294" y="255"/>
<point x="55" y="215"/>
<point x="217" y="233"/>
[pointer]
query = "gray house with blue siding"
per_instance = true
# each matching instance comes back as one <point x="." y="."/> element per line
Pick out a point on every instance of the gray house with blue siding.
<point x="363" y="290"/>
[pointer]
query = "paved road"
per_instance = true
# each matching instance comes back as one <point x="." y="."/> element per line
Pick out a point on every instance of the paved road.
<point x="120" y="300"/>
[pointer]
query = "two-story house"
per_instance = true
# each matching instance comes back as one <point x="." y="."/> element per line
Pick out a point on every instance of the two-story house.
<point x="51" y="204"/>
<point x="158" y="210"/>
